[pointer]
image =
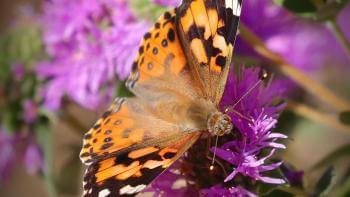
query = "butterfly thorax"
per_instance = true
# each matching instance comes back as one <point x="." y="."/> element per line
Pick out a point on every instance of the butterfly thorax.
<point x="204" y="115"/>
<point x="219" y="124"/>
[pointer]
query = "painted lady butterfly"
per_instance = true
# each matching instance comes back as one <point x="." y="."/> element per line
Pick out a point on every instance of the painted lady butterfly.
<point x="178" y="80"/>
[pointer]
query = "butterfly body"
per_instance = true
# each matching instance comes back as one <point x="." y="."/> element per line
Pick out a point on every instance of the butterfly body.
<point x="178" y="79"/>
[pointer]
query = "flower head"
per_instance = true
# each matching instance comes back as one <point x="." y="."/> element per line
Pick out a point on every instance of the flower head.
<point x="33" y="159"/>
<point x="254" y="117"/>
<point x="171" y="182"/>
<point x="90" y="44"/>
<point x="30" y="111"/>
<point x="220" y="191"/>
<point x="7" y="153"/>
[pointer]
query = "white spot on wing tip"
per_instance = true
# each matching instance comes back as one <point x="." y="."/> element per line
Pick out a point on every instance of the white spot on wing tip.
<point x="104" y="193"/>
<point x="131" y="190"/>
<point x="235" y="6"/>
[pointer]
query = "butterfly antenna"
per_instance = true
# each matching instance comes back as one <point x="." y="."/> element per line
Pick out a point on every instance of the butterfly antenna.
<point x="263" y="76"/>
<point x="216" y="145"/>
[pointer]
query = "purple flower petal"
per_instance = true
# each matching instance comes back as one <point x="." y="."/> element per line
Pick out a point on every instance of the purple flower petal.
<point x="33" y="159"/>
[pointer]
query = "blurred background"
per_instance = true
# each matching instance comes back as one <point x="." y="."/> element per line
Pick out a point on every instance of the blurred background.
<point x="62" y="63"/>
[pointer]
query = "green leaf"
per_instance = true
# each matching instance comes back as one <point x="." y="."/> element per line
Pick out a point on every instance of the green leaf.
<point x="301" y="7"/>
<point x="314" y="9"/>
<point x="344" y="189"/>
<point x="146" y="9"/>
<point x="324" y="183"/>
<point x="333" y="156"/>
<point x="123" y="91"/>
<point x="44" y="137"/>
<point x="330" y="9"/>
<point x="21" y="44"/>
<point x="344" y="117"/>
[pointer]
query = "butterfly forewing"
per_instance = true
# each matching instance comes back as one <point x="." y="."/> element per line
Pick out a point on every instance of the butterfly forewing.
<point x="207" y="29"/>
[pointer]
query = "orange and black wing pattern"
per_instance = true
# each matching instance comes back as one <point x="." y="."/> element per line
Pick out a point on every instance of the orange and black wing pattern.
<point x="130" y="145"/>
<point x="125" y="152"/>
<point x="207" y="29"/>
<point x="129" y="173"/>
<point x="160" y="54"/>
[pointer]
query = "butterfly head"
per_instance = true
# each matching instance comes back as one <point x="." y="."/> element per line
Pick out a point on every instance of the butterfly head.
<point x="219" y="124"/>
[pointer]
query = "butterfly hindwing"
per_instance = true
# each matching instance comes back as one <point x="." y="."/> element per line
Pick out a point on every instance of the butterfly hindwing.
<point x="207" y="30"/>
<point x="130" y="172"/>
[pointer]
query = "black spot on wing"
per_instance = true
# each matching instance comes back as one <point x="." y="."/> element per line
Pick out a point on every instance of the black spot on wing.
<point x="221" y="61"/>
<point x="171" y="35"/>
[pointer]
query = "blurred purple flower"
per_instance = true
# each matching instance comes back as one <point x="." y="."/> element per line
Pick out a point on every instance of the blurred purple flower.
<point x="33" y="159"/>
<point x="90" y="43"/>
<point x="30" y="111"/>
<point x="167" y="2"/>
<point x="7" y="153"/>
<point x="254" y="117"/>
<point x="18" y="71"/>
<point x="219" y="191"/>
<point x="300" y="42"/>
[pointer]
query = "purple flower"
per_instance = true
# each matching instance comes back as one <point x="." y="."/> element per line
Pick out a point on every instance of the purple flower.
<point x="302" y="43"/>
<point x="171" y="182"/>
<point x="33" y="159"/>
<point x="219" y="191"/>
<point x="18" y="71"/>
<point x="254" y="117"/>
<point x="30" y="111"/>
<point x="90" y="44"/>
<point x="7" y="153"/>
<point x="167" y="2"/>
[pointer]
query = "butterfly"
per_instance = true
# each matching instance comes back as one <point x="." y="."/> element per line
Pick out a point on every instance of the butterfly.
<point x="177" y="79"/>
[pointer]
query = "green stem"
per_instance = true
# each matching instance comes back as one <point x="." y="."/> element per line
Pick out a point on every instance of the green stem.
<point x="340" y="35"/>
<point x="306" y="82"/>
<point x="318" y="116"/>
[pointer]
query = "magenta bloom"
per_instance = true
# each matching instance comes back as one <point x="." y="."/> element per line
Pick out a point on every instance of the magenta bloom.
<point x="33" y="159"/>
<point x="171" y="182"/>
<point x="219" y="191"/>
<point x="7" y="153"/>
<point x="255" y="119"/>
<point x="90" y="44"/>
<point x="30" y="111"/>
<point x="18" y="71"/>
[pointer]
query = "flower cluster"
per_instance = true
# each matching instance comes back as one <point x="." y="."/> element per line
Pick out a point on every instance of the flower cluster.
<point x="254" y="116"/>
<point x="20" y="116"/>
<point x="90" y="44"/>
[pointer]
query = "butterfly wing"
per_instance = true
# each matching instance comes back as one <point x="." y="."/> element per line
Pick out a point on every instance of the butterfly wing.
<point x="139" y="137"/>
<point x="130" y="172"/>
<point x="128" y="147"/>
<point x="207" y="30"/>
